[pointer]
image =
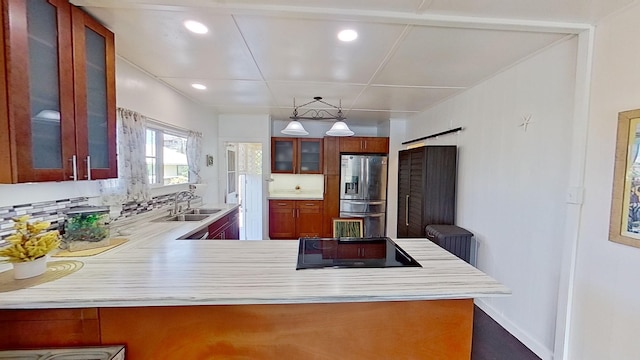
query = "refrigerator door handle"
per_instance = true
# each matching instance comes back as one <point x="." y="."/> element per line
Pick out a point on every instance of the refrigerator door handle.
<point x="361" y="215"/>
<point x="363" y="202"/>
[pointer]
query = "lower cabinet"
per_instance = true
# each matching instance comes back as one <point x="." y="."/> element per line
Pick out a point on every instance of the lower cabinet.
<point x="226" y="228"/>
<point x="361" y="251"/>
<point x="291" y="219"/>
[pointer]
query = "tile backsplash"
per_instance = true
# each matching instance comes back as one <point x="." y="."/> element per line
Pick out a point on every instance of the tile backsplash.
<point x="52" y="211"/>
<point x="308" y="183"/>
<point x="55" y="211"/>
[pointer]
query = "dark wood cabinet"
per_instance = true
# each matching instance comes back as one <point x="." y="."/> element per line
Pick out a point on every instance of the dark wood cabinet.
<point x="296" y="155"/>
<point x="331" y="205"/>
<point x="364" y="145"/>
<point x="35" y="328"/>
<point x="225" y="228"/>
<point x="282" y="223"/>
<point x="59" y="70"/>
<point x="361" y="251"/>
<point x="426" y="189"/>
<point x="291" y="219"/>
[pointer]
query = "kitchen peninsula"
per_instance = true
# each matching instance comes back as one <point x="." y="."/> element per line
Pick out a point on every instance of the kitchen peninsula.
<point x="167" y="298"/>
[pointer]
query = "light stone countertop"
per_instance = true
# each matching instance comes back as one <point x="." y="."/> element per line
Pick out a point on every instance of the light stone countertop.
<point x="155" y="269"/>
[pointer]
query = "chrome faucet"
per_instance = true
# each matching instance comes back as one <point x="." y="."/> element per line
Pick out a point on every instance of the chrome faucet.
<point x="175" y="201"/>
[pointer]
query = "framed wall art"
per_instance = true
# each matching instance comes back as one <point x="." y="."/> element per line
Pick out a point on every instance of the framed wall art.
<point x="624" y="224"/>
<point x="348" y="227"/>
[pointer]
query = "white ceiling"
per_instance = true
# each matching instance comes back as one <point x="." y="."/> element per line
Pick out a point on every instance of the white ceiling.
<point x="409" y="55"/>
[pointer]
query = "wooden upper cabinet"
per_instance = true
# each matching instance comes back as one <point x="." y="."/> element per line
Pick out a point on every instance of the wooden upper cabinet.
<point x="331" y="156"/>
<point x="60" y="94"/>
<point x="364" y="145"/>
<point x="296" y="155"/>
<point x="95" y="93"/>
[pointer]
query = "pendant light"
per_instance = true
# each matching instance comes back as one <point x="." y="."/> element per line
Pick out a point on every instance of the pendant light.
<point x="339" y="128"/>
<point x="295" y="128"/>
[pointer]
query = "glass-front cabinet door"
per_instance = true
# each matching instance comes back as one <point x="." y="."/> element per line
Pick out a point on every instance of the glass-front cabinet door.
<point x="60" y="93"/>
<point x="310" y="156"/>
<point x="40" y="89"/>
<point x="95" y="97"/>
<point x="283" y="151"/>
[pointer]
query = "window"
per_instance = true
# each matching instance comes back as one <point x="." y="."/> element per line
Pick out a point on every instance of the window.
<point x="166" y="154"/>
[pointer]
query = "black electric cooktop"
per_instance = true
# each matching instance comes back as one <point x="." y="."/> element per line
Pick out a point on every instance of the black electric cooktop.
<point x="351" y="253"/>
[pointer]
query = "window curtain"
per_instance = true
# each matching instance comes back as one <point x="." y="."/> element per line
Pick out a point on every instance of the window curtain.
<point x="194" y="155"/>
<point x="132" y="184"/>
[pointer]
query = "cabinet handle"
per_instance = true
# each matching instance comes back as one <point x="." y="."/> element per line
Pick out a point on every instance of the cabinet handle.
<point x="293" y="212"/>
<point x="74" y="163"/>
<point x="88" y="161"/>
<point x="282" y="204"/>
<point x="406" y="211"/>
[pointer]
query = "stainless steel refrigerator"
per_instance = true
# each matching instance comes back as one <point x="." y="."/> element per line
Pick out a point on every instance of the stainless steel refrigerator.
<point x="363" y="191"/>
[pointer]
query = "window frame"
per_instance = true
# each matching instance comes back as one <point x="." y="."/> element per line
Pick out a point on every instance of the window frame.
<point x="160" y="130"/>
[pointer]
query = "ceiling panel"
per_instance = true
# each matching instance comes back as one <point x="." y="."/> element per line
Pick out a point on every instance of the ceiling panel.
<point x="224" y="92"/>
<point x="363" y="117"/>
<point x="401" y="98"/>
<point x="410" y="54"/>
<point x="284" y="92"/>
<point x="309" y="50"/>
<point x="431" y="56"/>
<point x="158" y="42"/>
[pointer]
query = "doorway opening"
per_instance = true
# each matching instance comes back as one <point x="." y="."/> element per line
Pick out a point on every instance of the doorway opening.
<point x="244" y="186"/>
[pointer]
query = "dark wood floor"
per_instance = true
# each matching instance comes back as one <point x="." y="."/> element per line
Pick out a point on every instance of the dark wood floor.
<point x="492" y="342"/>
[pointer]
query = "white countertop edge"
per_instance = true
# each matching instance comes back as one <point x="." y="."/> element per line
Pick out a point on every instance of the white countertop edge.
<point x="248" y="301"/>
<point x="295" y="197"/>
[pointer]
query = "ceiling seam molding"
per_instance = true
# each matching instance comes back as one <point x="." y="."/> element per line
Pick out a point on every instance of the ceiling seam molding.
<point x="255" y="62"/>
<point x="383" y="63"/>
<point x="465" y="22"/>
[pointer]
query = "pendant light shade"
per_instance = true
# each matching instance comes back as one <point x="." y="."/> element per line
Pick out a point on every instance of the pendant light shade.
<point x="339" y="128"/>
<point x="294" y="128"/>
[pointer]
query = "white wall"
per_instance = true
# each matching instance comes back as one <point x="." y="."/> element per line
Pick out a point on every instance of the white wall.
<point x="512" y="182"/>
<point x="396" y="137"/>
<point x="248" y="129"/>
<point x="137" y="91"/>
<point x="605" y="313"/>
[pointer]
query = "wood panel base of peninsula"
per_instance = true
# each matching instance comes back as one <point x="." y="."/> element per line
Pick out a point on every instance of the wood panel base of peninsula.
<point x="437" y="329"/>
<point x="433" y="329"/>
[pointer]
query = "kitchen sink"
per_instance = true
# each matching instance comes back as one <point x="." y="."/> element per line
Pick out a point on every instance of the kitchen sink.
<point x="182" y="217"/>
<point x="202" y="211"/>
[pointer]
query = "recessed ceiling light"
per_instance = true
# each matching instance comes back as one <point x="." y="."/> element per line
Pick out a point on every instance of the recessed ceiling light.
<point x="347" y="35"/>
<point x="199" y="86"/>
<point x="196" y="27"/>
